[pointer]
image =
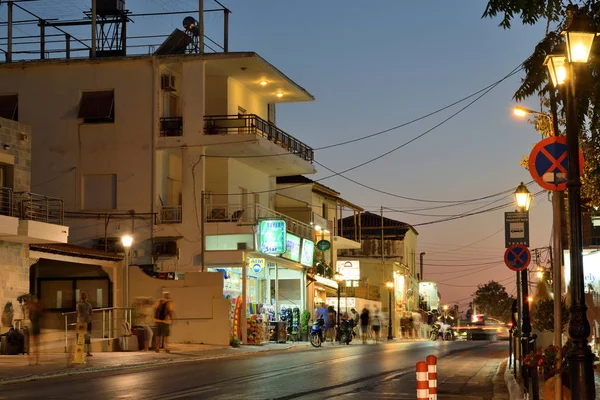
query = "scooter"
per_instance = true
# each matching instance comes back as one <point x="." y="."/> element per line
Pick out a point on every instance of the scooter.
<point x="345" y="332"/>
<point x="435" y="331"/>
<point x="317" y="332"/>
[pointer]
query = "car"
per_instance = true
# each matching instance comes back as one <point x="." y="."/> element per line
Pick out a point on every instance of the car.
<point x="487" y="328"/>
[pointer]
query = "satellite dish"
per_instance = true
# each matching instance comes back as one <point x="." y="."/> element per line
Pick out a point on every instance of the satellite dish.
<point x="191" y="25"/>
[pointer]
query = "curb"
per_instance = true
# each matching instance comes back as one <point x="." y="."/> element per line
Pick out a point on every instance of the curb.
<point x="140" y="365"/>
<point x="514" y="389"/>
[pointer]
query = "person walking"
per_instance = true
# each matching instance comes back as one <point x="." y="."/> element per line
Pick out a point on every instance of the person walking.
<point x="364" y="324"/>
<point x="331" y="323"/>
<point x="84" y="314"/>
<point x="163" y="315"/>
<point x="35" y="317"/>
<point x="355" y="322"/>
<point x="376" y="324"/>
<point x="144" y="319"/>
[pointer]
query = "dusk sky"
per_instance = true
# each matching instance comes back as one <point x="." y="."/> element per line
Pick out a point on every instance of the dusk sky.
<point x="375" y="65"/>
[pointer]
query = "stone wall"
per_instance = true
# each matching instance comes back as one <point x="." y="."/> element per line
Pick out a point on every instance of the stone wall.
<point x="17" y="137"/>
<point x="14" y="274"/>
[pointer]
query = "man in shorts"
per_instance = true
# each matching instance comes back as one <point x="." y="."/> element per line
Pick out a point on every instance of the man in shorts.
<point x="163" y="315"/>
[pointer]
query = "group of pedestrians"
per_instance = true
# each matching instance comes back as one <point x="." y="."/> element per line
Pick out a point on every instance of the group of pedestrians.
<point x="367" y="325"/>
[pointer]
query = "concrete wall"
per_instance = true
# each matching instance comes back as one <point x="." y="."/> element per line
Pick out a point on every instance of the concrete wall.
<point x="239" y="96"/>
<point x="201" y="313"/>
<point x="18" y="137"/>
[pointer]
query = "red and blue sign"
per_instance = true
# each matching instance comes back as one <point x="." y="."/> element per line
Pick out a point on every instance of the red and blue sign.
<point x="517" y="257"/>
<point x="548" y="163"/>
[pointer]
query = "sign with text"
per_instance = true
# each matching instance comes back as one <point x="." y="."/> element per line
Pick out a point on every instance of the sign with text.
<point x="292" y="251"/>
<point x="272" y="237"/>
<point x="516" y="228"/>
<point x="308" y="252"/>
<point x="350" y="270"/>
<point x="256" y="264"/>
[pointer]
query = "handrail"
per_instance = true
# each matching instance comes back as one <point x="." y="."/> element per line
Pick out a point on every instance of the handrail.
<point x="253" y="124"/>
<point x="107" y="319"/>
<point x="100" y="309"/>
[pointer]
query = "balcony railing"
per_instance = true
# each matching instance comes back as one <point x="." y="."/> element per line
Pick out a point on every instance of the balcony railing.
<point x="37" y="207"/>
<point x="251" y="124"/>
<point x="7" y="205"/>
<point x="170" y="215"/>
<point x="171" y="126"/>
<point x="364" y="291"/>
<point x="251" y="213"/>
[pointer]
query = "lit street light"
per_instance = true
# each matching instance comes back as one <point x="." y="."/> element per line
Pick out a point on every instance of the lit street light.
<point x="390" y="286"/>
<point x="579" y="35"/>
<point x="126" y="241"/>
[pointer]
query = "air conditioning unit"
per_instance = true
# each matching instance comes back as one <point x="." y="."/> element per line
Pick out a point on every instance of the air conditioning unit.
<point x="165" y="249"/>
<point x="242" y="246"/>
<point x="168" y="82"/>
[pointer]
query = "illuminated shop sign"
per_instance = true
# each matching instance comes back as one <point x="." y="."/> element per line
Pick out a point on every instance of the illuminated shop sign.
<point x="308" y="251"/>
<point x="292" y="248"/>
<point x="272" y="237"/>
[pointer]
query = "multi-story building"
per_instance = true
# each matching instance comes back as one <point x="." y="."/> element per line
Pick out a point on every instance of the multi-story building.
<point x="322" y="207"/>
<point x="176" y="150"/>
<point x="387" y="255"/>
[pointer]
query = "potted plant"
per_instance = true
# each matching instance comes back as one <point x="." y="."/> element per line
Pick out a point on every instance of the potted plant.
<point x="24" y="301"/>
<point x="304" y="321"/>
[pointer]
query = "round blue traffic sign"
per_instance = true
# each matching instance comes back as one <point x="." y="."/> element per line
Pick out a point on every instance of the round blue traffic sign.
<point x="517" y="257"/>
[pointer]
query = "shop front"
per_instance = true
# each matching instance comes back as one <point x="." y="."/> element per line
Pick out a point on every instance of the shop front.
<point x="268" y="293"/>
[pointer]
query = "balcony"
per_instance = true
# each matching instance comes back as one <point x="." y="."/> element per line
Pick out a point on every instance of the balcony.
<point x="250" y="214"/>
<point x="170" y="215"/>
<point x="251" y="124"/>
<point x="363" y="291"/>
<point x="171" y="126"/>
<point x="31" y="218"/>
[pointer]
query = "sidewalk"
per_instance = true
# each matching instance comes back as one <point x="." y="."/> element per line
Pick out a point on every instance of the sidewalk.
<point x="17" y="369"/>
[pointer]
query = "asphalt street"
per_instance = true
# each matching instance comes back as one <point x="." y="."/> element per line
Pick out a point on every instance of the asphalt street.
<point x="328" y="372"/>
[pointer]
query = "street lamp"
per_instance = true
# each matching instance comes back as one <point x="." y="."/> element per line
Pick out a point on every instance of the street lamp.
<point x="126" y="241"/>
<point x="579" y="36"/>
<point x="523" y="197"/>
<point x="390" y="286"/>
<point x="338" y="277"/>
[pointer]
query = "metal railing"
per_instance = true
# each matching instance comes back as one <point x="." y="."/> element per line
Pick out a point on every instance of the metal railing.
<point x="251" y="124"/>
<point x="37" y="207"/>
<point x="171" y="126"/>
<point x="170" y="215"/>
<point x="252" y="213"/>
<point x="364" y="291"/>
<point x="110" y="318"/>
<point x="7" y="205"/>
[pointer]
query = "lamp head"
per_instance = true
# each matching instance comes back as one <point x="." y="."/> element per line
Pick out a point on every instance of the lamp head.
<point x="580" y="36"/>
<point x="523" y="197"/>
<point x="127" y="241"/>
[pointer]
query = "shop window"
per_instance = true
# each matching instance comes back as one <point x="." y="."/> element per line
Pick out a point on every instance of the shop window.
<point x="63" y="294"/>
<point x="97" y="291"/>
<point x="100" y="192"/>
<point x="9" y="106"/>
<point x="97" y="107"/>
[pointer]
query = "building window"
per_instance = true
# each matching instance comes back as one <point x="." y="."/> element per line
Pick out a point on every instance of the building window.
<point x="97" y="107"/>
<point x="271" y="113"/>
<point x="324" y="206"/>
<point x="100" y="192"/>
<point x="9" y="106"/>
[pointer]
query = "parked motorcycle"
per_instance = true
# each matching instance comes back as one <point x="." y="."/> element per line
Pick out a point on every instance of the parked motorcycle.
<point x="317" y="332"/>
<point x="435" y="331"/>
<point x="345" y="332"/>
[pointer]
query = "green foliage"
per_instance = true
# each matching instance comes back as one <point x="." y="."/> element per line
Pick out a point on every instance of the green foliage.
<point x="234" y="342"/>
<point x="492" y="300"/>
<point x="304" y="321"/>
<point x="542" y="317"/>
<point x="536" y="82"/>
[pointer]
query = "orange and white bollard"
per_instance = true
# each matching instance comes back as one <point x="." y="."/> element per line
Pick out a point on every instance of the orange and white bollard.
<point x="422" y="381"/>
<point x="432" y="375"/>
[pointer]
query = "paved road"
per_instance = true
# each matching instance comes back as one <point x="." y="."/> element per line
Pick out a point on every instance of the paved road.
<point x="327" y="372"/>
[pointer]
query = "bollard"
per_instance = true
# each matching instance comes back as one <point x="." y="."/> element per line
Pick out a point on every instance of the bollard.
<point x="422" y="381"/>
<point x="432" y="375"/>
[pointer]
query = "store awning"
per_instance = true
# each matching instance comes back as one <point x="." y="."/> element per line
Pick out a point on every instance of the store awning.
<point x="325" y="281"/>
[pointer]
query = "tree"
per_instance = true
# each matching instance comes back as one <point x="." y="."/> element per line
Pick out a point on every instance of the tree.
<point x="556" y="15"/>
<point x="492" y="300"/>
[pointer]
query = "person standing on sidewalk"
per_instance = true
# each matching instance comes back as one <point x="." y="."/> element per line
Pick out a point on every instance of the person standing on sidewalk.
<point x="163" y="315"/>
<point x="35" y="316"/>
<point x="364" y="324"/>
<point x="84" y="314"/>
<point x="376" y="324"/>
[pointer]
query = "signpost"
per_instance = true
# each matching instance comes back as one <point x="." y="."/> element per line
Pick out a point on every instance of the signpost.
<point x="548" y="163"/>
<point x="516" y="228"/>
<point x="517" y="257"/>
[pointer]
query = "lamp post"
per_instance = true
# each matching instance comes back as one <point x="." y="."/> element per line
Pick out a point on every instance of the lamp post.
<point x="523" y="200"/>
<point x="338" y="277"/>
<point x="390" y="286"/>
<point x="579" y="37"/>
<point x="127" y="241"/>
